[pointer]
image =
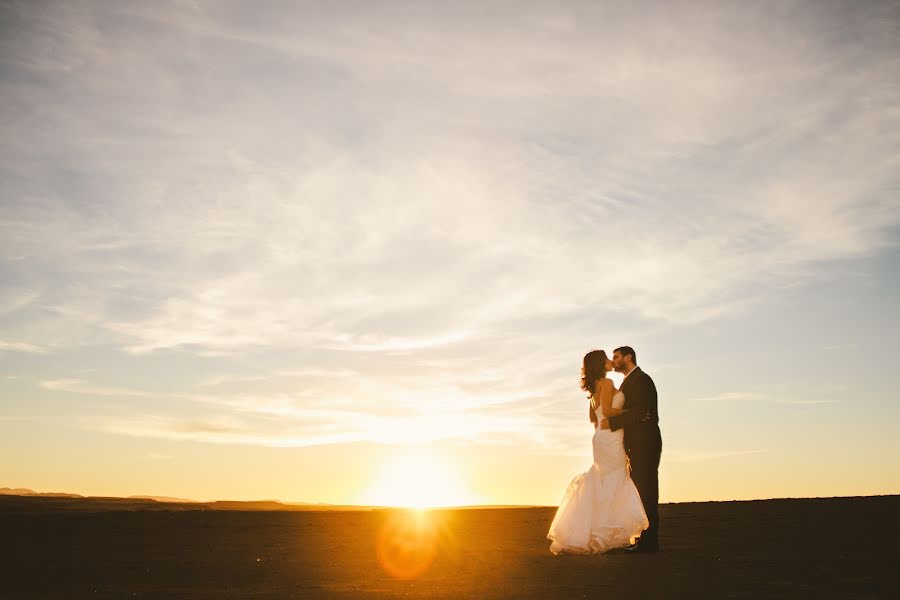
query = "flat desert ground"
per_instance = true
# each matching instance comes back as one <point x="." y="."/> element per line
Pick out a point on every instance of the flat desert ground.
<point x="805" y="548"/>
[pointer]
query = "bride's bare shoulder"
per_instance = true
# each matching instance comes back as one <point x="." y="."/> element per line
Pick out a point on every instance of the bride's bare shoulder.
<point x="604" y="384"/>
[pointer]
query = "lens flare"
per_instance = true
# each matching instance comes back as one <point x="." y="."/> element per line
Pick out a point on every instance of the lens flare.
<point x="407" y="544"/>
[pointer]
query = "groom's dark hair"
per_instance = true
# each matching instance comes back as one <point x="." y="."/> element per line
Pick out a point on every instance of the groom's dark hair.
<point x="625" y="351"/>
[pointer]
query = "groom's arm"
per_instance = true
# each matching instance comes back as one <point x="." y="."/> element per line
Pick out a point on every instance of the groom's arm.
<point x="626" y="419"/>
<point x="638" y="405"/>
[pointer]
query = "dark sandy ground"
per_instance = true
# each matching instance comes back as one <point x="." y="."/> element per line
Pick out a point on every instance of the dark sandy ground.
<point x="816" y="548"/>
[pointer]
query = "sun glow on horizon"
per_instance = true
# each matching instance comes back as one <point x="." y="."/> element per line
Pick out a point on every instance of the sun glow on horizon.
<point x="419" y="479"/>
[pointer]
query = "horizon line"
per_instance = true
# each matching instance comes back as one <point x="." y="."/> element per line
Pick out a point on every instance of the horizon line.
<point x="159" y="499"/>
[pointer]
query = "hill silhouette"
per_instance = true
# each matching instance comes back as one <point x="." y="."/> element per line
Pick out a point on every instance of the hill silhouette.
<point x="26" y="492"/>
<point x="23" y="500"/>
<point x="148" y="502"/>
<point x="162" y="499"/>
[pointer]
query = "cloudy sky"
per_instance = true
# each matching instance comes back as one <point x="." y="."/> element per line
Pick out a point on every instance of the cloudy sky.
<point x="318" y="251"/>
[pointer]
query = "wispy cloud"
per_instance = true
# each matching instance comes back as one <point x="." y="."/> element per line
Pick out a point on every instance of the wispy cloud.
<point x="319" y="428"/>
<point x="376" y="412"/>
<point x="406" y="201"/>
<point x="80" y="386"/>
<point x="730" y="396"/>
<point x="8" y="346"/>
<point x="809" y="402"/>
<point x="689" y="457"/>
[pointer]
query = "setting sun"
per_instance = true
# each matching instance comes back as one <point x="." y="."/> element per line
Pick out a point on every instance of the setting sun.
<point x="418" y="479"/>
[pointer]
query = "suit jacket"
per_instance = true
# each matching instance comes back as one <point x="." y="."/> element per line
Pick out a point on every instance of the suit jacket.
<point x="640" y="397"/>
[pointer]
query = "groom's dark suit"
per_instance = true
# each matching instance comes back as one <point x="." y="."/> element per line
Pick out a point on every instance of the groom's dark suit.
<point x="643" y="444"/>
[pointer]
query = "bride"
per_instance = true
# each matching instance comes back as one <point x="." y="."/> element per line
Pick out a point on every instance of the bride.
<point x="601" y="509"/>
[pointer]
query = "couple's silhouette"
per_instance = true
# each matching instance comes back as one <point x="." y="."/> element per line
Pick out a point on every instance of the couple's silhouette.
<point x="611" y="505"/>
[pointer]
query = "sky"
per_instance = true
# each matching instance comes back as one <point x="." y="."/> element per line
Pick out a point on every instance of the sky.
<point x="354" y="252"/>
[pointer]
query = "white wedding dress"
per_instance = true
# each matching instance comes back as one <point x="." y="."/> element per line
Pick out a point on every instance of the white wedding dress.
<point x="601" y="509"/>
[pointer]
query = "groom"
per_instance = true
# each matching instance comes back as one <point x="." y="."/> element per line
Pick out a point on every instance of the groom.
<point x="642" y="439"/>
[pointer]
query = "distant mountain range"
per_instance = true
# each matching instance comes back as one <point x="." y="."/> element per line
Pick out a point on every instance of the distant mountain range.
<point x="162" y="499"/>
<point x="79" y="502"/>
<point x="153" y="502"/>
<point x="26" y="492"/>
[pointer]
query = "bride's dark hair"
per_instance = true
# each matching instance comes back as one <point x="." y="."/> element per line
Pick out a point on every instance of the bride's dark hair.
<point x="594" y="368"/>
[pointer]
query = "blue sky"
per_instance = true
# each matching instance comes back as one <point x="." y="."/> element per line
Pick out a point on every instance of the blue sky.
<point x="276" y="242"/>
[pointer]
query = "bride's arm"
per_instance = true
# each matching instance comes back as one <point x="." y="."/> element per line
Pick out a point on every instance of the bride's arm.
<point x="606" y="396"/>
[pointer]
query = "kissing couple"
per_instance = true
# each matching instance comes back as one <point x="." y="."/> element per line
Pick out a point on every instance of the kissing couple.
<point x="615" y="503"/>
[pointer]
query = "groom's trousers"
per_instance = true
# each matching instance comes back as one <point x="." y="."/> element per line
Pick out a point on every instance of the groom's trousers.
<point x="644" y="458"/>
